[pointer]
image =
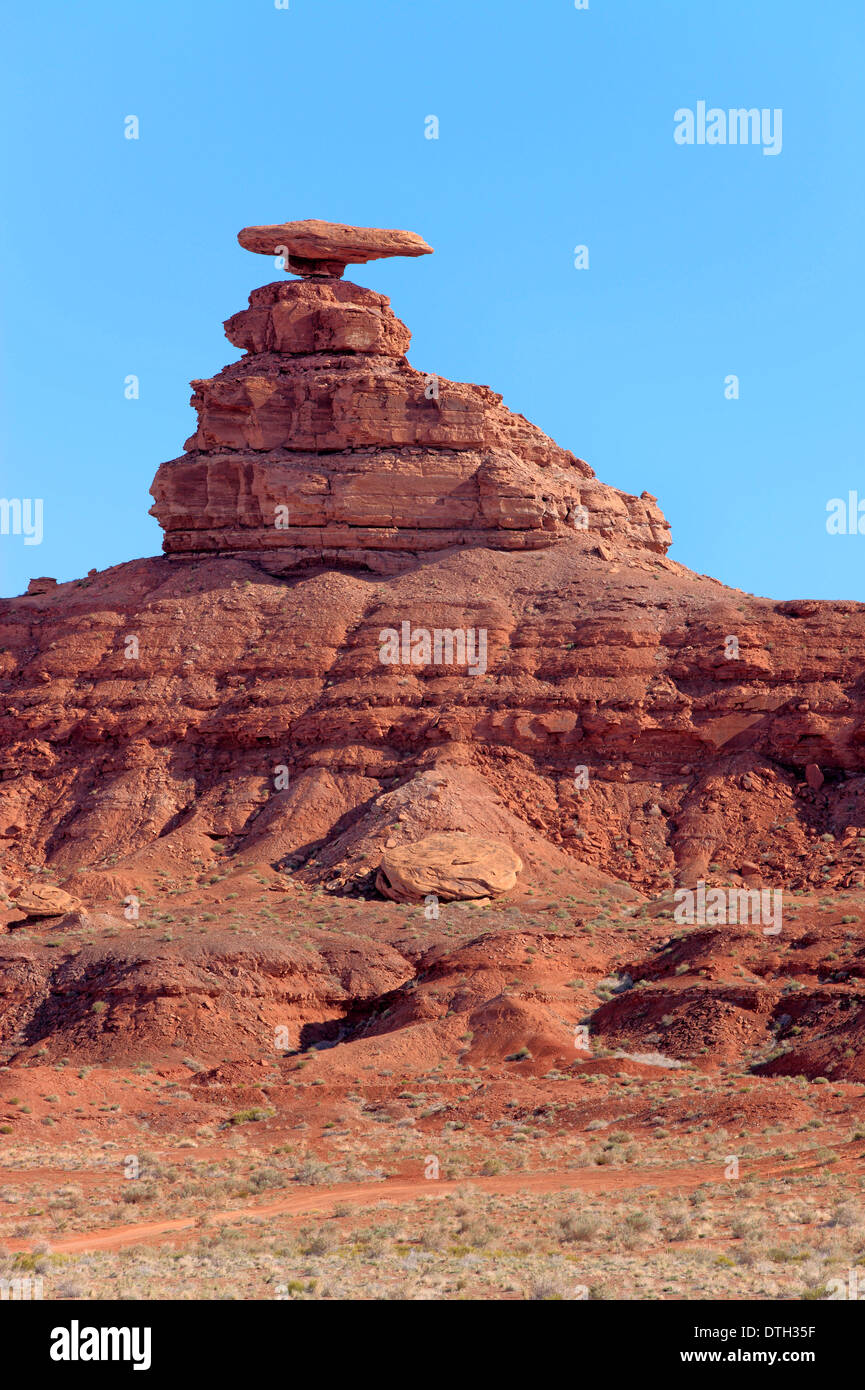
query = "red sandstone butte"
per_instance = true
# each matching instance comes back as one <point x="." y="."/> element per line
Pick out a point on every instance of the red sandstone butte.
<point x="244" y="837"/>
<point x="323" y="444"/>
<point x="330" y="492"/>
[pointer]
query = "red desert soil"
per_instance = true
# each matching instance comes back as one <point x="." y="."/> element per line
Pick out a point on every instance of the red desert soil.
<point x="310" y="1201"/>
<point x="207" y="755"/>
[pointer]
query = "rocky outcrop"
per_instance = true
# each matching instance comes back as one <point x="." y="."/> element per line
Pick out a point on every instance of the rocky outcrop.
<point x="611" y="727"/>
<point x="256" y="732"/>
<point x="450" y="867"/>
<point x="315" y="248"/>
<point x="208" y="996"/>
<point x="324" y="444"/>
<point x="43" y="900"/>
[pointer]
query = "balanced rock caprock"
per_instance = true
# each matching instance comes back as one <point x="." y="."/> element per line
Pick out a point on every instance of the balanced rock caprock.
<point x="323" y="444"/>
<point x="316" y="248"/>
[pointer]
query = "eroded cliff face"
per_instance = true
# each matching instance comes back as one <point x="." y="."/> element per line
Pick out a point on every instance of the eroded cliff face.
<point x="120" y="752"/>
<point x="323" y="444"/>
<point x="390" y="610"/>
<point x="262" y="687"/>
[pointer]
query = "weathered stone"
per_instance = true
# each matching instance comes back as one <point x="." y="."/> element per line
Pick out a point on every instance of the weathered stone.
<point x="43" y="900"/>
<point x="324" y="442"/>
<point x="490" y="526"/>
<point x="315" y="248"/>
<point x="299" y="317"/>
<point x="814" y="777"/>
<point x="451" y="866"/>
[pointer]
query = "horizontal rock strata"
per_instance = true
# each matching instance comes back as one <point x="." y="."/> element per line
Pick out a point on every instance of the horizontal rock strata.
<point x="324" y="443"/>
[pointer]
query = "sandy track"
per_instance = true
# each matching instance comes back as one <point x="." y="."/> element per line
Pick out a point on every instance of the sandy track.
<point x="307" y="1201"/>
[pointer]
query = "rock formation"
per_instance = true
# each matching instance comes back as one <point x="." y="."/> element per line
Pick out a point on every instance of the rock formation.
<point x="42" y="900"/>
<point x="449" y="867"/>
<point x="400" y="645"/>
<point x="322" y="444"/>
<point x="395" y="621"/>
<point x="607" y="735"/>
<point x="324" y="249"/>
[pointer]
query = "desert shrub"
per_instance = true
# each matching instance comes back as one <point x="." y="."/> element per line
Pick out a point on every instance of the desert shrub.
<point x="571" y="1228"/>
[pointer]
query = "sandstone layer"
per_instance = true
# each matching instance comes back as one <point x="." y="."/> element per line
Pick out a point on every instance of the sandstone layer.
<point x="617" y="667"/>
<point x="322" y="444"/>
<point x="226" y="710"/>
<point x="340" y="854"/>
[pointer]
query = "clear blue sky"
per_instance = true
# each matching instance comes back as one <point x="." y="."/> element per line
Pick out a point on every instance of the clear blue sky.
<point x="556" y="129"/>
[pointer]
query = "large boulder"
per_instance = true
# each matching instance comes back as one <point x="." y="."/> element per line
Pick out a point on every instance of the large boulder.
<point x="450" y="866"/>
<point x="43" y="900"/>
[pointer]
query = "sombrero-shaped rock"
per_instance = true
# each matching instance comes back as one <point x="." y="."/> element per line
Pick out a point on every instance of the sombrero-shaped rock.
<point x="326" y="248"/>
